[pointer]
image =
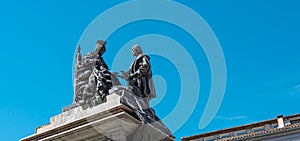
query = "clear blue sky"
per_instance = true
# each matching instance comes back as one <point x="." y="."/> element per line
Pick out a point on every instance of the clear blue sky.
<point x="260" y="42"/>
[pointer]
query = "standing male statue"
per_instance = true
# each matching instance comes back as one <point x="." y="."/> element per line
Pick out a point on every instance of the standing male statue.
<point x="139" y="75"/>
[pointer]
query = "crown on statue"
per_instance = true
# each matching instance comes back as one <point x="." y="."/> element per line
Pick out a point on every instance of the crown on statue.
<point x="100" y="42"/>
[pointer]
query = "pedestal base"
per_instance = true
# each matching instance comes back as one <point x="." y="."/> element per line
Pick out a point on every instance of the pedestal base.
<point x="112" y="120"/>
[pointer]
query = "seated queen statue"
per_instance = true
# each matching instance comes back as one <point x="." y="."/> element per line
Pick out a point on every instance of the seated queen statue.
<point x="92" y="79"/>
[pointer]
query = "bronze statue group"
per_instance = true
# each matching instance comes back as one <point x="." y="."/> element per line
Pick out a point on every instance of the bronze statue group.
<point x="93" y="80"/>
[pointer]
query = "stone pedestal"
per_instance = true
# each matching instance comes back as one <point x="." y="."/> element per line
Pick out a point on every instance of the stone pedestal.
<point x="113" y="120"/>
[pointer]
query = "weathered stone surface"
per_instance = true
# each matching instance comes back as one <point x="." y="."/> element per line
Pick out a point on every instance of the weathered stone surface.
<point x="141" y="108"/>
<point x="112" y="120"/>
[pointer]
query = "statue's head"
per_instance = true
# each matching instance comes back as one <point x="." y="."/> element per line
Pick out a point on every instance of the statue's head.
<point x="100" y="47"/>
<point x="136" y="50"/>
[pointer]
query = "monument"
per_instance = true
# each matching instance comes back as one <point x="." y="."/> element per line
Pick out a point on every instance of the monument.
<point x="103" y="109"/>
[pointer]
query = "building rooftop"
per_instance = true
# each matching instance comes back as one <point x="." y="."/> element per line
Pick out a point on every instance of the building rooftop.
<point x="264" y="128"/>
